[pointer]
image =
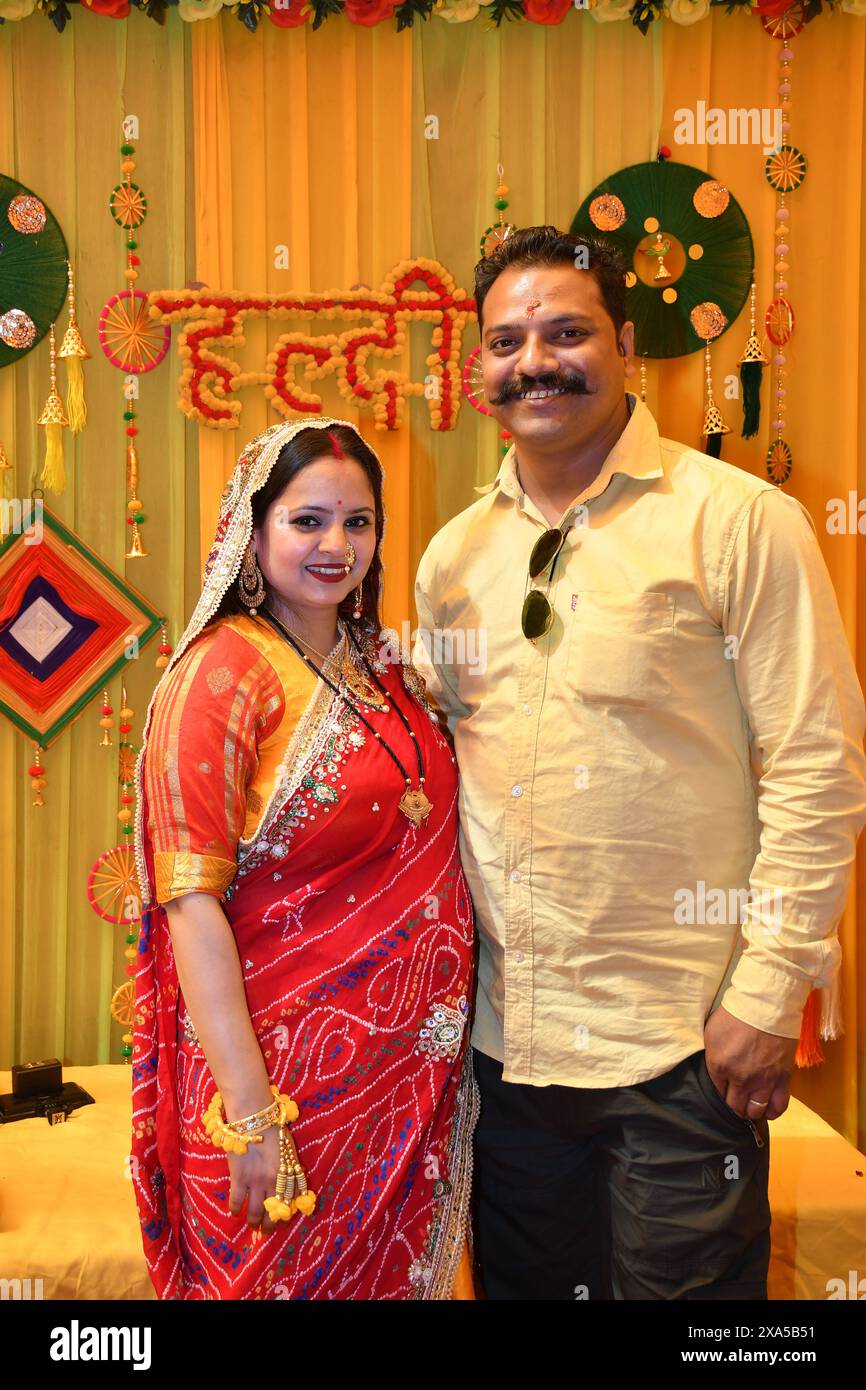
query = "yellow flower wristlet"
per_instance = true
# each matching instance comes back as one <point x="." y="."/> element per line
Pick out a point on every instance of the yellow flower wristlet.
<point x="234" y="1136"/>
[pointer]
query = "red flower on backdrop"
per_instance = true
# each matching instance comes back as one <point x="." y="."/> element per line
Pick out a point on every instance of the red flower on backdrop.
<point x="369" y="11"/>
<point x="288" y="16"/>
<point x="773" y="9"/>
<point x="546" y="11"/>
<point x="115" y="9"/>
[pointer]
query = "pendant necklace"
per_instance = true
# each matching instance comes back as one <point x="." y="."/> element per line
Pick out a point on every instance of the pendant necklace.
<point x="414" y="802"/>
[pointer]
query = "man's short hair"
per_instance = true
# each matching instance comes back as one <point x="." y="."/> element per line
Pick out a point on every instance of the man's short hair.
<point x="530" y="246"/>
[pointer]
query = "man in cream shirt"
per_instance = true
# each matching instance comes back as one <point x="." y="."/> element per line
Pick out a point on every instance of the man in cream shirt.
<point x="662" y="784"/>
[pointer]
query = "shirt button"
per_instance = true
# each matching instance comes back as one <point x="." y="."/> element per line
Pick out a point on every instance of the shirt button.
<point x="517" y="791"/>
<point x="518" y="957"/>
<point x="515" y="875"/>
<point x="527" y="709"/>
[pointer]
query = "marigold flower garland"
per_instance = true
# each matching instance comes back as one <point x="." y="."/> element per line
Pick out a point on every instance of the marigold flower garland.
<point x="208" y="378"/>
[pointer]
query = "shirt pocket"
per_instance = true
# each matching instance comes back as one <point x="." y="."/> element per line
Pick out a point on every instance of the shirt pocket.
<point x="621" y="646"/>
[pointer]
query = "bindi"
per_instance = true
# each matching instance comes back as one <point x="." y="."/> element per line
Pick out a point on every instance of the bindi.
<point x="531" y="308"/>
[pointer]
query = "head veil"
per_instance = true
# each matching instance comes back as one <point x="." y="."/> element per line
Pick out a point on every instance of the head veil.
<point x="233" y="534"/>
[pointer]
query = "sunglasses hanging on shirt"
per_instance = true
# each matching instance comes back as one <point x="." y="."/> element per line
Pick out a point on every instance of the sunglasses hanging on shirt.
<point x="537" y="616"/>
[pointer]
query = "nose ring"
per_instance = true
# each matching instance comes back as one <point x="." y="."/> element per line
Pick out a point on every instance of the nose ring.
<point x="350" y="557"/>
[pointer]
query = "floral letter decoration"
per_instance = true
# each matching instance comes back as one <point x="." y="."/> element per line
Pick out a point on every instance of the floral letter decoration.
<point x="214" y="319"/>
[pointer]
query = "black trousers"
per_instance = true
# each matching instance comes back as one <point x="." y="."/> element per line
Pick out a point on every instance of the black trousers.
<point x="654" y="1191"/>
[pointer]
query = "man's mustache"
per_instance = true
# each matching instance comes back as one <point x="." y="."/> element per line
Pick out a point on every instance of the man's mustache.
<point x="573" y="383"/>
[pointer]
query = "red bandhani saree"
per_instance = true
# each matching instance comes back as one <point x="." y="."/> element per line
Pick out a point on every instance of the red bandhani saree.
<point x="354" y="933"/>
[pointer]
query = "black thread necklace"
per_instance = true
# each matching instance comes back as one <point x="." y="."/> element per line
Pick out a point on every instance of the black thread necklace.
<point x="414" y="802"/>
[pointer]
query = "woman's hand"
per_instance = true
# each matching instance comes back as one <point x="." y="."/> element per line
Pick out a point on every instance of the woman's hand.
<point x="254" y="1177"/>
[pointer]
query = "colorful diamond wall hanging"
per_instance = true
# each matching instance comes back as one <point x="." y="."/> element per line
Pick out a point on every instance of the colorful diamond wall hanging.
<point x="66" y="624"/>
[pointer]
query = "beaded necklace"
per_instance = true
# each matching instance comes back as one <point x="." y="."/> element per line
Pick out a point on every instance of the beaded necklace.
<point x="414" y="802"/>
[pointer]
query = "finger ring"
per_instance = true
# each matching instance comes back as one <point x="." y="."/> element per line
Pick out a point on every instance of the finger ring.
<point x="761" y="1103"/>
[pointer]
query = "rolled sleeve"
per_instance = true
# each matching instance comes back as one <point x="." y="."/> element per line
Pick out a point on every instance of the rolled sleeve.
<point x="804" y="706"/>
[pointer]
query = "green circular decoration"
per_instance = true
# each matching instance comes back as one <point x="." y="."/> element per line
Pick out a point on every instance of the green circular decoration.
<point x="706" y="258"/>
<point x="786" y="169"/>
<point x="779" y="462"/>
<point x="128" y="205"/>
<point x="33" y="276"/>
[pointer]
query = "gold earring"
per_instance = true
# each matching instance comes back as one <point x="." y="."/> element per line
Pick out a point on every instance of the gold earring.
<point x="359" y="603"/>
<point x="251" y="588"/>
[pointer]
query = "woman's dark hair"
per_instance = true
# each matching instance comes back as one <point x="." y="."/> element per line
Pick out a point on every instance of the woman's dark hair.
<point x="548" y="246"/>
<point x="308" y="446"/>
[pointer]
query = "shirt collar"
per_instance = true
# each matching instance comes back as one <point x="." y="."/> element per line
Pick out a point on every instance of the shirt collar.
<point x="636" y="453"/>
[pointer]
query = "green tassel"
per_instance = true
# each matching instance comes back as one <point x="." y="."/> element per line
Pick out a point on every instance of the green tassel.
<point x="751" y="374"/>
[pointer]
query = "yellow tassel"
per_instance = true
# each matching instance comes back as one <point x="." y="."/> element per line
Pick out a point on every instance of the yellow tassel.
<point x="76" y="404"/>
<point x="54" y="472"/>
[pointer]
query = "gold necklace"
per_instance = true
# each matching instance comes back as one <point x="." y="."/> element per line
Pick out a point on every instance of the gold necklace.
<point x="414" y="803"/>
<point x="355" y="680"/>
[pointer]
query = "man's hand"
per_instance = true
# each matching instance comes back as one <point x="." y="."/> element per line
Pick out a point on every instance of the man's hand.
<point x="750" y="1069"/>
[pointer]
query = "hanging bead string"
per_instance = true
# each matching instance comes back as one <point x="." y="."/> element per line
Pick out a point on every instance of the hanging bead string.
<point x="106" y="722"/>
<point x="165" y="650"/>
<point x="493" y="237"/>
<point x="643" y="379"/>
<point x="781" y="267"/>
<point x="36" y="773"/>
<point x="134" y="506"/>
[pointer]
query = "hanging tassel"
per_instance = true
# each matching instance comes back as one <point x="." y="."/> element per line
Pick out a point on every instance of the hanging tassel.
<point x="54" y="421"/>
<point x="751" y="375"/>
<point x="752" y="365"/>
<point x="76" y="404"/>
<point x="74" y="353"/>
<point x="809" y="1051"/>
<point x="714" y="425"/>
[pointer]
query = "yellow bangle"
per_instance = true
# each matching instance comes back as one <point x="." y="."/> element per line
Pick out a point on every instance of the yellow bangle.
<point x="292" y="1193"/>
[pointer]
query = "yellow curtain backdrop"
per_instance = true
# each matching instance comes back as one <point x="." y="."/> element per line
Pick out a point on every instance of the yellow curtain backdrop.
<point x="319" y="142"/>
<point x="303" y="141"/>
<point x="62" y="100"/>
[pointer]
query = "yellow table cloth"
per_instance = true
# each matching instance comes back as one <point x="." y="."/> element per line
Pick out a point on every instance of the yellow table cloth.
<point x="68" y="1215"/>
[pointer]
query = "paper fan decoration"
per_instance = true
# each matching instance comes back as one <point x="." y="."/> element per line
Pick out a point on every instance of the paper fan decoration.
<point x="33" y="271"/>
<point x="130" y="339"/>
<point x="473" y="383"/>
<point x="123" y="1005"/>
<point x="112" y="887"/>
<point x="67" y="624"/>
<point x="686" y="242"/>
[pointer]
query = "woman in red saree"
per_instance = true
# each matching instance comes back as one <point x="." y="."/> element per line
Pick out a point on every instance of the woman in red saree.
<point x="269" y="790"/>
